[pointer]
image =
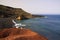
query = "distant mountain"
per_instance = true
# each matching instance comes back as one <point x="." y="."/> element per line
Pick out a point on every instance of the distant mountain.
<point x="40" y="16"/>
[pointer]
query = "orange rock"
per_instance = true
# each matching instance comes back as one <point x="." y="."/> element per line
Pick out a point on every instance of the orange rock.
<point x="18" y="18"/>
<point x="20" y="34"/>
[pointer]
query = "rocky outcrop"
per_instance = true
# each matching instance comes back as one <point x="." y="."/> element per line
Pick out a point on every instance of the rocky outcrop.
<point x="10" y="12"/>
<point x="6" y="23"/>
<point x="20" y="34"/>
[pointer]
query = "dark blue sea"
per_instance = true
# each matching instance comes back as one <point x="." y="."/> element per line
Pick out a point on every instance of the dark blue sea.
<point x="48" y="27"/>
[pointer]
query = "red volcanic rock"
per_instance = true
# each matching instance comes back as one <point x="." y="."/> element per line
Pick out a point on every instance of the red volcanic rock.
<point x="19" y="34"/>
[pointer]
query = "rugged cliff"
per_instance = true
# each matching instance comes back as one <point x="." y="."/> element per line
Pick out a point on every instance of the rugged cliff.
<point x="20" y="34"/>
<point x="10" y="12"/>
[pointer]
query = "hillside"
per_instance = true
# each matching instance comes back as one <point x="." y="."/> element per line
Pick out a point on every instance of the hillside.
<point x="10" y="12"/>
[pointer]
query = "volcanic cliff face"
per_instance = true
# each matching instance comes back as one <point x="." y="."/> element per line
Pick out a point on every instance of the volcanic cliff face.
<point x="10" y="12"/>
<point x="19" y="34"/>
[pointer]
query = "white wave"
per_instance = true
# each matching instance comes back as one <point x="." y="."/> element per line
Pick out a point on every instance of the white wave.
<point x="17" y="25"/>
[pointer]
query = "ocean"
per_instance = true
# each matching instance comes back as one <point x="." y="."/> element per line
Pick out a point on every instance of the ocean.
<point x="48" y="27"/>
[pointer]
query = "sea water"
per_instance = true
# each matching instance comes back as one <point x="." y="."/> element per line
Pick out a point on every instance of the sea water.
<point x="48" y="27"/>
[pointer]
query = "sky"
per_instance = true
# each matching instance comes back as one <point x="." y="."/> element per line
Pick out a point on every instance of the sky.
<point x="35" y="6"/>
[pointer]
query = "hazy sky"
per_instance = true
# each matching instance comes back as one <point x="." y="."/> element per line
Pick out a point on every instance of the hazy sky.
<point x="35" y="6"/>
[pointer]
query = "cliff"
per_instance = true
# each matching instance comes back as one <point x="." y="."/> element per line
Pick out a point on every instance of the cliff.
<point x="20" y="34"/>
<point x="15" y="13"/>
<point x="10" y="12"/>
